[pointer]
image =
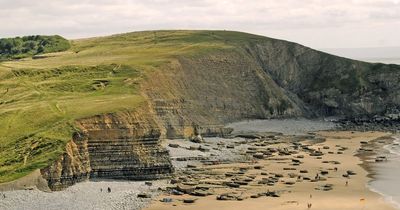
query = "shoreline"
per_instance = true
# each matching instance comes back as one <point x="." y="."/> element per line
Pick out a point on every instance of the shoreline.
<point x="373" y="168"/>
<point x="356" y="195"/>
<point x="291" y="196"/>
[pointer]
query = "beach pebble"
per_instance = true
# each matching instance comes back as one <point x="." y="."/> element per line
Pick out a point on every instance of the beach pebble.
<point x="189" y="200"/>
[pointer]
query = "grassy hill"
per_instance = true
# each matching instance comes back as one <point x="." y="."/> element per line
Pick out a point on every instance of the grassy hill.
<point x="41" y="98"/>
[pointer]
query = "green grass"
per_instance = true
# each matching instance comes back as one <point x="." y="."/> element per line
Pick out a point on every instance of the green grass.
<point x="41" y="98"/>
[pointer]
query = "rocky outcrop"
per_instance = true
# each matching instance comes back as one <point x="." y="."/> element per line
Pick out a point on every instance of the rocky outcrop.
<point x="72" y="167"/>
<point x="122" y="145"/>
<point x="329" y="85"/>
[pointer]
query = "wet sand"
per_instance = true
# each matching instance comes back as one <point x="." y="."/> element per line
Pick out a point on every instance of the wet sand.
<point x="296" y="192"/>
<point x="382" y="159"/>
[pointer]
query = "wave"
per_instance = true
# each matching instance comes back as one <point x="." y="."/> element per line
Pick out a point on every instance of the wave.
<point x="387" y="198"/>
<point x="394" y="150"/>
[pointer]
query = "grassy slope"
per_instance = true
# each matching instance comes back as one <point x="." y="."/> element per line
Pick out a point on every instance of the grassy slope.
<point x="41" y="98"/>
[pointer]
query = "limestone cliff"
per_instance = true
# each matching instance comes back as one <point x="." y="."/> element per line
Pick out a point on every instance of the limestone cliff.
<point x="122" y="145"/>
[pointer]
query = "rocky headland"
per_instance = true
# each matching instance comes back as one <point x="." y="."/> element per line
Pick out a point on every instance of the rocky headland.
<point x="225" y="77"/>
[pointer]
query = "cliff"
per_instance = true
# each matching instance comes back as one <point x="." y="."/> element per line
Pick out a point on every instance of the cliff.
<point x="123" y="145"/>
<point x="100" y="109"/>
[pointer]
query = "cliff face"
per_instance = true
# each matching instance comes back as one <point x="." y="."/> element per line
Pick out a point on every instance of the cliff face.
<point x="268" y="79"/>
<point x="207" y="91"/>
<point x="123" y="145"/>
<point x="199" y="93"/>
<point x="327" y="84"/>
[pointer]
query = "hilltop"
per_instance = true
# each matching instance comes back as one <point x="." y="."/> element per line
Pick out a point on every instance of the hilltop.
<point x="171" y="84"/>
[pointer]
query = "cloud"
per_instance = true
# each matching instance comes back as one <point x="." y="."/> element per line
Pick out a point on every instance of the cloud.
<point x="291" y="19"/>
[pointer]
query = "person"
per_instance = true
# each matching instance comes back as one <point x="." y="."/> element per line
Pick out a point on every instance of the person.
<point x="101" y="189"/>
<point x="347" y="183"/>
<point x="108" y="189"/>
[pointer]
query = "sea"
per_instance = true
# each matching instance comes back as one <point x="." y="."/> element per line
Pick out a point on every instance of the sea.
<point x="387" y="178"/>
<point x="387" y="55"/>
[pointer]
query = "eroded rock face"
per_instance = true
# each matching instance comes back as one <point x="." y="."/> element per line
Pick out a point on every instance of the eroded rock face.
<point x="72" y="167"/>
<point x="208" y="91"/>
<point x="124" y="145"/>
<point x="329" y="85"/>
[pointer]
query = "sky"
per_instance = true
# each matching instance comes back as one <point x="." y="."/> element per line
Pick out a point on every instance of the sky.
<point x="315" y="23"/>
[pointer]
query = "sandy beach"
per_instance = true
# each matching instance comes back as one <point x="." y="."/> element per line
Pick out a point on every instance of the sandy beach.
<point x="267" y="168"/>
<point x="297" y="186"/>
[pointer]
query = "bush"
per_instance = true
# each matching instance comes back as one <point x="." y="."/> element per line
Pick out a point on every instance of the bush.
<point x="21" y="47"/>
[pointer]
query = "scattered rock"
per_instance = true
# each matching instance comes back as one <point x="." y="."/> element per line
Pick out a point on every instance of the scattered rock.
<point x="143" y="195"/>
<point x="203" y="149"/>
<point x="230" y="146"/>
<point x="324" y="172"/>
<point x="185" y="188"/>
<point x="289" y="169"/>
<point x="174" y="145"/>
<point x="166" y="200"/>
<point x="258" y="167"/>
<point x="350" y="172"/>
<point x="201" y="193"/>
<point x="229" y="197"/>
<point x="232" y="184"/>
<point x="259" y="155"/>
<point x="189" y="200"/>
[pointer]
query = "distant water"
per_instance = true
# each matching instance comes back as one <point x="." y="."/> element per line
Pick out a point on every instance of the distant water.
<point x="382" y="60"/>
<point x="387" y="182"/>
<point x="387" y="55"/>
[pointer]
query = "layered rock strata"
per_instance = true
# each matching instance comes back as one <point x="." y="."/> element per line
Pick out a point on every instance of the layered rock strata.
<point x="123" y="145"/>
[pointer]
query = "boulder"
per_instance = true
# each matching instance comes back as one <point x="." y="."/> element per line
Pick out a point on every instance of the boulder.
<point x="197" y="139"/>
<point x="185" y="188"/>
<point x="259" y="155"/>
<point x="166" y="200"/>
<point x="232" y="184"/>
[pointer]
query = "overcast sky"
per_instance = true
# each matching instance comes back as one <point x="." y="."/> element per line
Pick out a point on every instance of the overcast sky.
<point x="315" y="23"/>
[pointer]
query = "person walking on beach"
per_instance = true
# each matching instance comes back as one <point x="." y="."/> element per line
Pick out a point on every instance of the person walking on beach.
<point x="347" y="183"/>
<point x="108" y="189"/>
<point x="317" y="176"/>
